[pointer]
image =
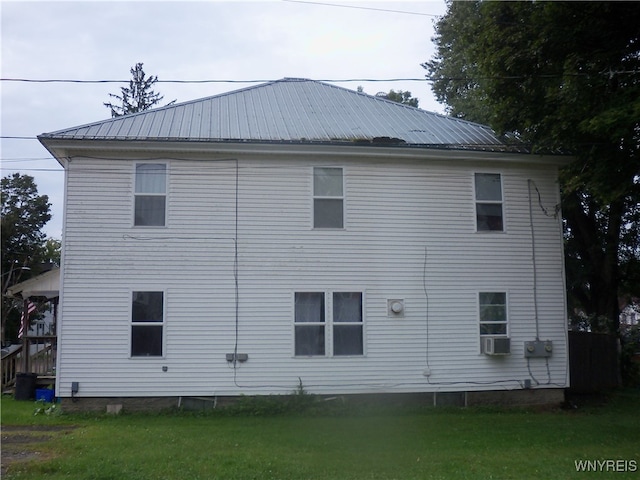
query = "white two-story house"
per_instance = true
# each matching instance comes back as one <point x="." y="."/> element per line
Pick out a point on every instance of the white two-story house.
<point x="299" y="233"/>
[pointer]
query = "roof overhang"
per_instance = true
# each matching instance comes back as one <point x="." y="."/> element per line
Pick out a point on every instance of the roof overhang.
<point x="44" y="285"/>
<point x="65" y="149"/>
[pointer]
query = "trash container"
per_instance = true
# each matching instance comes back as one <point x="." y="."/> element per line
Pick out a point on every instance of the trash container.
<point x="25" y="386"/>
<point x="45" y="394"/>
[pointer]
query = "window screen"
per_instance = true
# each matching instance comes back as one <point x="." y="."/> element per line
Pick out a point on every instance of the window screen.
<point x="147" y="319"/>
<point x="150" y="194"/>
<point x="328" y="198"/>
<point x="489" y="215"/>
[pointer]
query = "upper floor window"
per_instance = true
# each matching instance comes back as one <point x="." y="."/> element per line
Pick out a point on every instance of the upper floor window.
<point x="147" y="320"/>
<point x="150" y="194"/>
<point x="489" y="215"/>
<point x="328" y="198"/>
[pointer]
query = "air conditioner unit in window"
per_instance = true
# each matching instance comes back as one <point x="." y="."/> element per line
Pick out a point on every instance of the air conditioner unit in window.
<point x="496" y="345"/>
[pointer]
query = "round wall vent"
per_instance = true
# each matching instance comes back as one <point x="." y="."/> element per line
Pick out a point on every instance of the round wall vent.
<point x="395" y="307"/>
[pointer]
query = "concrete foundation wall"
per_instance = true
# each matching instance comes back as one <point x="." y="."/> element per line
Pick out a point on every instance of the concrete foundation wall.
<point x="534" y="397"/>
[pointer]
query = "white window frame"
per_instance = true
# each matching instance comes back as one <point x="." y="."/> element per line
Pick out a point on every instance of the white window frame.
<point x="162" y="324"/>
<point x="335" y="323"/>
<point x="165" y="194"/>
<point x="489" y="202"/>
<point x="506" y="314"/>
<point x="327" y="197"/>
<point x="329" y="323"/>
<point x="322" y="323"/>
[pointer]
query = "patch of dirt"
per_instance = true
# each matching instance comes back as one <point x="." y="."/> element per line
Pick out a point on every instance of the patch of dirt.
<point x="24" y="443"/>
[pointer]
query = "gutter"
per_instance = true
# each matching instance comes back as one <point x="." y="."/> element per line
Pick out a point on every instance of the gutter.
<point x="63" y="147"/>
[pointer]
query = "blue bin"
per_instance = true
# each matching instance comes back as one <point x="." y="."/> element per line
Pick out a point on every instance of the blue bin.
<point x="45" y="394"/>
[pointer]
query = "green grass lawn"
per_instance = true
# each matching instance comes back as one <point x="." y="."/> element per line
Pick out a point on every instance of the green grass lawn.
<point x="473" y="443"/>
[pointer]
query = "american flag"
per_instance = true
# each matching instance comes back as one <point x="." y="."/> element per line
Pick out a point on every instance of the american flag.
<point x="29" y="308"/>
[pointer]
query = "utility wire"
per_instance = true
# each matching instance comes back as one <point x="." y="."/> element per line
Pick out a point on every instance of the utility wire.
<point x="21" y="160"/>
<point x="339" y="80"/>
<point x="363" y="8"/>
<point x="55" y="170"/>
<point x="68" y="80"/>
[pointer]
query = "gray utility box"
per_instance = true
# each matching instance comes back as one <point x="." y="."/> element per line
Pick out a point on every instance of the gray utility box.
<point x="538" y="349"/>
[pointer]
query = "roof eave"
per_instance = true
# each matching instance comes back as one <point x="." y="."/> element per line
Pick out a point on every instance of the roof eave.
<point x="63" y="148"/>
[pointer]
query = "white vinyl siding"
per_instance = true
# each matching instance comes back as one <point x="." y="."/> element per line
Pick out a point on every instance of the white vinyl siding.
<point x="410" y="236"/>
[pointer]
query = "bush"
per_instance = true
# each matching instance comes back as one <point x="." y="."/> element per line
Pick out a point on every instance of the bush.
<point x="630" y="356"/>
<point x="297" y="402"/>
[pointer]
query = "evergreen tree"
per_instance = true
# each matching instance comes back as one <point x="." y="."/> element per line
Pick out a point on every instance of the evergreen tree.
<point x="138" y="97"/>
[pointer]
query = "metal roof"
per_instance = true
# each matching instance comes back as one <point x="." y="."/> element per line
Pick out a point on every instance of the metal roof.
<point x="291" y="110"/>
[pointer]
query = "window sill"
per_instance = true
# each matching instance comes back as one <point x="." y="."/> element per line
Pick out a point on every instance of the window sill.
<point x="296" y="357"/>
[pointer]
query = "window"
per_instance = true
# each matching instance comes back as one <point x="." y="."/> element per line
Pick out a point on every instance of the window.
<point x="309" y="323"/>
<point x="150" y="194"/>
<point x="493" y="313"/>
<point x="345" y="325"/>
<point x="147" y="319"/>
<point x="328" y="198"/>
<point x="489" y="202"/>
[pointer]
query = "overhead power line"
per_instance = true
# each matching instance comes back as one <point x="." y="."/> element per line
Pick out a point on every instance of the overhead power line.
<point x="54" y="80"/>
<point x="23" y="159"/>
<point x="608" y="73"/>
<point x="363" y="8"/>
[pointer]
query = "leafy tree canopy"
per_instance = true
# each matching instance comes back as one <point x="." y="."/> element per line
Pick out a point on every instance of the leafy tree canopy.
<point x="400" y="96"/>
<point x="563" y="77"/>
<point x="52" y="251"/>
<point x="24" y="213"/>
<point x="138" y="96"/>
<point x="24" y="244"/>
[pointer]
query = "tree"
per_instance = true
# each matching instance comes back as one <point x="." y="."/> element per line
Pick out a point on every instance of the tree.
<point x="138" y="96"/>
<point x="52" y="250"/>
<point x="400" y="96"/>
<point x="24" y="213"/>
<point x="562" y="77"/>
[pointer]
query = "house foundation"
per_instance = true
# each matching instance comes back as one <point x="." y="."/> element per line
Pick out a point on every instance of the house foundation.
<point x="507" y="398"/>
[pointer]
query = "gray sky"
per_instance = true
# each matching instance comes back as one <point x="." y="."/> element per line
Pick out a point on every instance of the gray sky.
<point x="203" y="40"/>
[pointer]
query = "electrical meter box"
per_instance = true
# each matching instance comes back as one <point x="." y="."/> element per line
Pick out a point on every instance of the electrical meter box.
<point x="538" y="349"/>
